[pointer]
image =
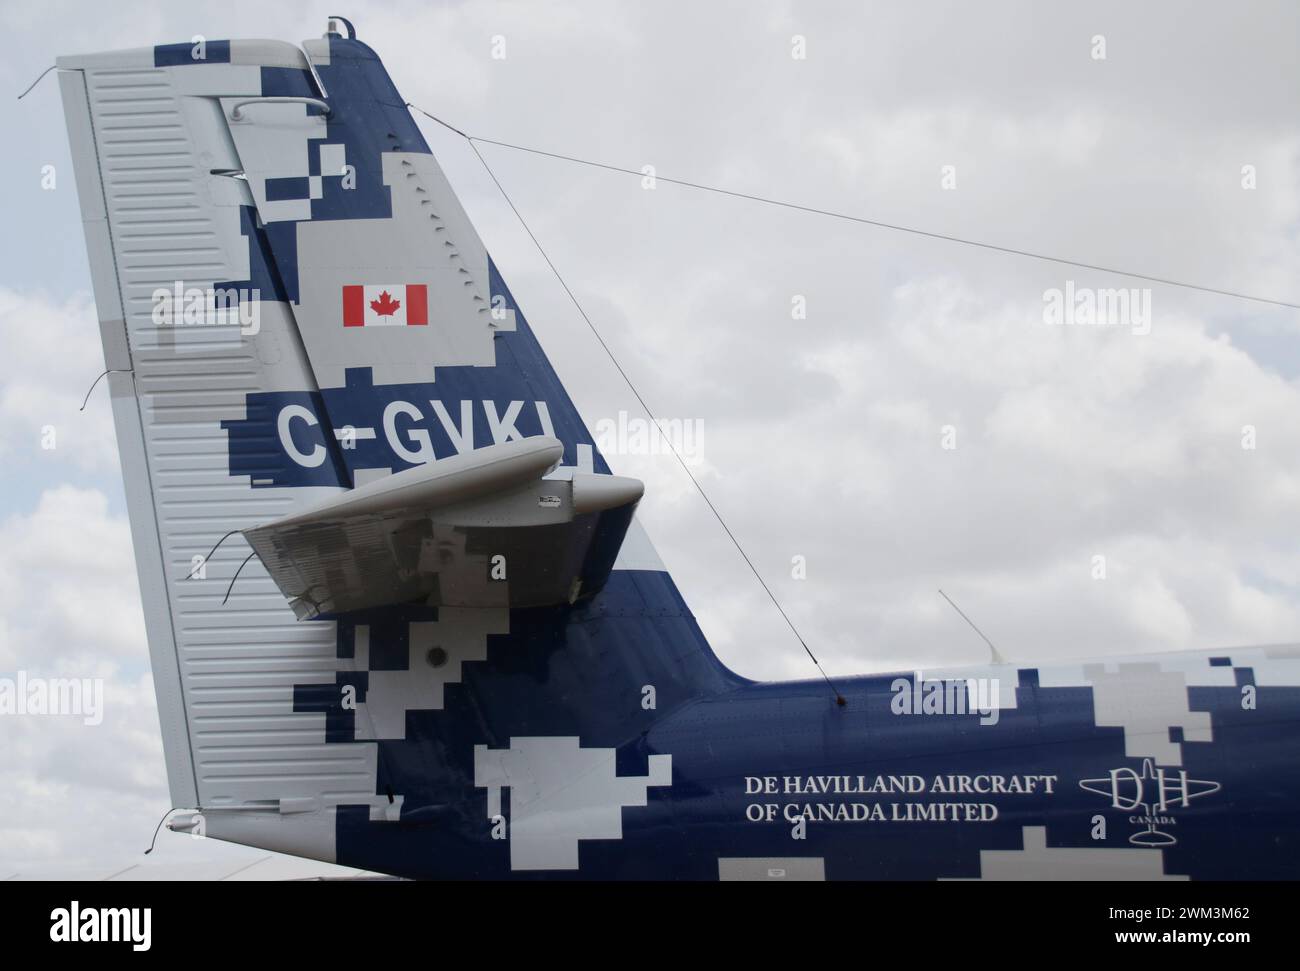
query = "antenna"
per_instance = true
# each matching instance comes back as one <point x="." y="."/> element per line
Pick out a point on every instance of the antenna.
<point x="997" y="658"/>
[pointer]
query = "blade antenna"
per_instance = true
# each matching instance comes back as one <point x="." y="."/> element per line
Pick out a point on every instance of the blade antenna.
<point x="997" y="658"/>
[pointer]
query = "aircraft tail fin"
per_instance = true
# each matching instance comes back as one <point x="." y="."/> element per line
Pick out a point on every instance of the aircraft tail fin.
<point x="314" y="355"/>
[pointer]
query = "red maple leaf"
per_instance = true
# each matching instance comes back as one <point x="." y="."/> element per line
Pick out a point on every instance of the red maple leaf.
<point x="385" y="306"/>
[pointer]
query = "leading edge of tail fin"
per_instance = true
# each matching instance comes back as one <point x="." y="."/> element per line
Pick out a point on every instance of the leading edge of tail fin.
<point x="298" y="311"/>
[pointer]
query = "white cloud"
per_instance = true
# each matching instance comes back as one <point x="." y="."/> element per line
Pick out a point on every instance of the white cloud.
<point x="68" y="590"/>
<point x="52" y="356"/>
<point x="1072" y="442"/>
<point x="71" y="609"/>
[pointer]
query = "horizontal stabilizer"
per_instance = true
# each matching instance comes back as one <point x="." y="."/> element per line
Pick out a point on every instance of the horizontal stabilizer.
<point x="480" y="529"/>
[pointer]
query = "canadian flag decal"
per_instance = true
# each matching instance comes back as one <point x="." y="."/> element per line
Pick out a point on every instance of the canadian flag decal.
<point x="386" y="305"/>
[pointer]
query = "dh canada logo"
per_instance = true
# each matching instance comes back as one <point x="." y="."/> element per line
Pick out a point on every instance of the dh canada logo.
<point x="1155" y="791"/>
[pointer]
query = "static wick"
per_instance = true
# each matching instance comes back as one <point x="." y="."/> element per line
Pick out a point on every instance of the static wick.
<point x="94" y="384"/>
<point x="204" y="562"/>
<point x="158" y="829"/>
<point x="36" y="82"/>
<point x="236" y="577"/>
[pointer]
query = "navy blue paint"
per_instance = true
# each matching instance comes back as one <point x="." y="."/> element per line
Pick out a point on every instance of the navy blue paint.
<point x="255" y="448"/>
<point x="296" y="187"/>
<point x="264" y="277"/>
<point x="367" y="117"/>
<point x="579" y="670"/>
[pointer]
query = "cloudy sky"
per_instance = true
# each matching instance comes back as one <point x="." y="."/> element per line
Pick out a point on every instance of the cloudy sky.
<point x="823" y="436"/>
